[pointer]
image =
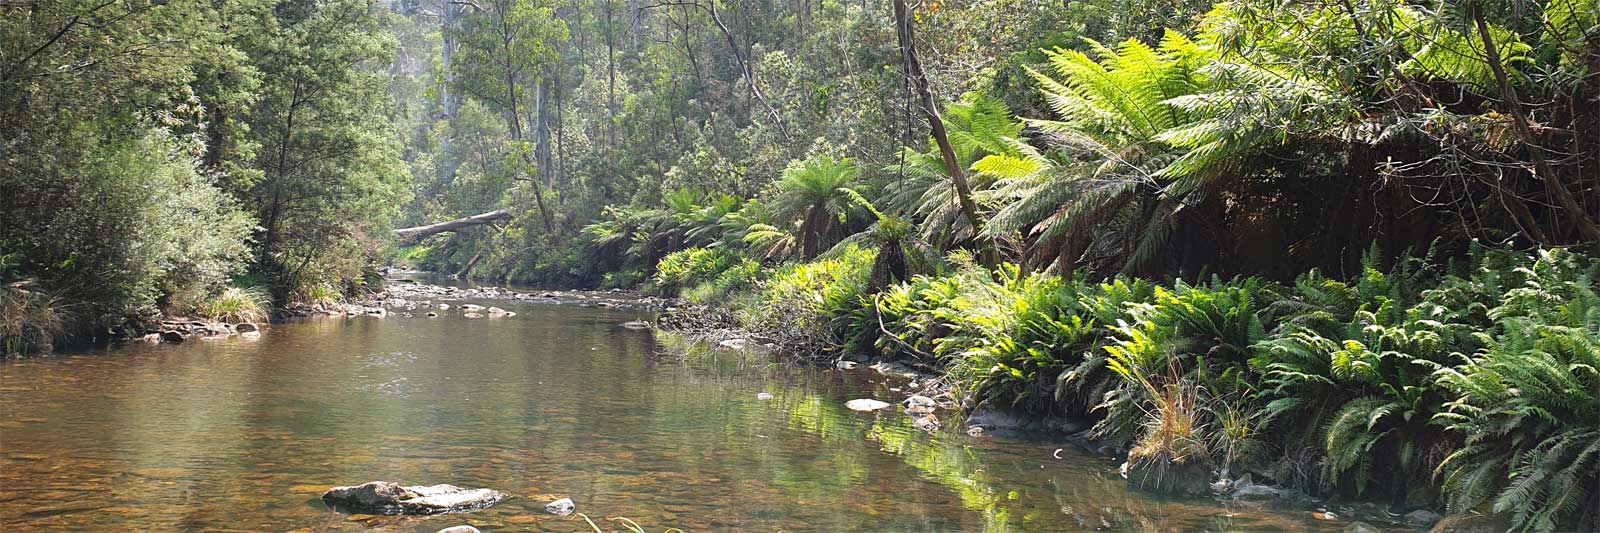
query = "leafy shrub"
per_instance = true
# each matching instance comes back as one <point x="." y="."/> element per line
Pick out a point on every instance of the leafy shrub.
<point x="694" y="265"/>
<point x="135" y="225"/>
<point x="815" y="300"/>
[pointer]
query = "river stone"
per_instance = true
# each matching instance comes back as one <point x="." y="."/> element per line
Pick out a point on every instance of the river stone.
<point x="1471" y="522"/>
<point x="636" y="324"/>
<point x="866" y="404"/>
<point x="471" y="308"/>
<point x="244" y="327"/>
<point x="1361" y="527"/>
<point x="383" y="497"/>
<point x="497" y="312"/>
<point x="763" y="396"/>
<point x="1255" y="492"/>
<point x="732" y="344"/>
<point x="918" y="404"/>
<point x="1422" y="518"/>
<point x="473" y="315"/>
<point x="561" y="507"/>
<point x="172" y="336"/>
<point x="927" y="422"/>
<point x="459" y="529"/>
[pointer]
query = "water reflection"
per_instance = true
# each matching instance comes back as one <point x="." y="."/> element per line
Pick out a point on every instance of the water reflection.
<point x="557" y="401"/>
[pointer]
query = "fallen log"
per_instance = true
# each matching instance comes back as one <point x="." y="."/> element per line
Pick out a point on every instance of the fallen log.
<point x="419" y="232"/>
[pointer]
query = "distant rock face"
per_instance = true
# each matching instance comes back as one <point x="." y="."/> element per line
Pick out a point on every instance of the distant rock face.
<point x="383" y="497"/>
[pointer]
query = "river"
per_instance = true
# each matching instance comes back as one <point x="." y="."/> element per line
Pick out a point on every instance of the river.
<point x="557" y="401"/>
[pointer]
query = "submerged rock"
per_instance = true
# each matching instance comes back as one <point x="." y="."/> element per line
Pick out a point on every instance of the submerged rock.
<point x="384" y="497"/>
<point x="927" y="422"/>
<point x="636" y="324"/>
<point x="459" y="529"/>
<point x="1156" y="475"/>
<point x="245" y="327"/>
<point x="497" y="312"/>
<point x="560" y="507"/>
<point x="732" y="344"/>
<point x="1471" y="522"/>
<point x="1361" y="527"/>
<point x="1255" y="492"/>
<point x="763" y="396"/>
<point x="866" y="404"/>
<point x="1422" y="518"/>
<point x="918" y="404"/>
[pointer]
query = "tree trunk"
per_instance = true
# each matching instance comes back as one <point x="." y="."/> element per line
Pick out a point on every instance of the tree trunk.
<point x="1586" y="226"/>
<point x="913" y="66"/>
<point x="541" y="133"/>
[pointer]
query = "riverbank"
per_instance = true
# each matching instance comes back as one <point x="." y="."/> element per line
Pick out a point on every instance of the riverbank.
<point x="1403" y="385"/>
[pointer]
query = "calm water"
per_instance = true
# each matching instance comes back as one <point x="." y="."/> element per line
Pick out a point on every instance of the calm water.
<point x="243" y="435"/>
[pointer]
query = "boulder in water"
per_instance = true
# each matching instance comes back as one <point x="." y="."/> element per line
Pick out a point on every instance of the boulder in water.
<point x="636" y="324"/>
<point x="1422" y="518"/>
<point x="763" y="396"/>
<point x="384" y="497"/>
<point x="918" y="404"/>
<point x="245" y="327"/>
<point x="561" y="507"/>
<point x="459" y="529"/>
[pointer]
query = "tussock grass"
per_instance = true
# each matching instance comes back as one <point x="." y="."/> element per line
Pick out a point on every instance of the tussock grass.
<point x="29" y="320"/>
<point x="235" y="305"/>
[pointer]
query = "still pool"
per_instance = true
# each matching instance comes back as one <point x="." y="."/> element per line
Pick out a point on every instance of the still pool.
<point x="557" y="401"/>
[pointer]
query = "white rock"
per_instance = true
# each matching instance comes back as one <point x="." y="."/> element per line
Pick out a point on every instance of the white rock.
<point x="866" y="404"/>
<point x="763" y="396"/>
<point x="561" y="507"/>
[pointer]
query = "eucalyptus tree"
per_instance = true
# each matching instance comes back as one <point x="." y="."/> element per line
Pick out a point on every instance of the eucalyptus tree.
<point x="328" y="168"/>
<point x="508" y="54"/>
